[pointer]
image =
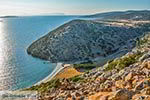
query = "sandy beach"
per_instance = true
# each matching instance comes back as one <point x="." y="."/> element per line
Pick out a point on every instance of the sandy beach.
<point x="61" y="71"/>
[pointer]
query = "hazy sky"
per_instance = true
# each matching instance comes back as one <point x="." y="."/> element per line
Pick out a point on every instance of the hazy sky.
<point x="38" y="7"/>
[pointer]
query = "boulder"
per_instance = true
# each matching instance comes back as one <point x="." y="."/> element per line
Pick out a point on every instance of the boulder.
<point x="145" y="56"/>
<point x="122" y="94"/>
<point x="146" y="91"/>
<point x="129" y="76"/>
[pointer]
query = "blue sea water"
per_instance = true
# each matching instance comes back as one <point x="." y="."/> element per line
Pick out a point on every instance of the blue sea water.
<point x="17" y="68"/>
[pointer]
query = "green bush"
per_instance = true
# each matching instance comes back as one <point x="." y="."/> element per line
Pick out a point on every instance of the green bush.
<point x="123" y="62"/>
<point x="87" y="66"/>
<point x="46" y="86"/>
<point x="76" y="79"/>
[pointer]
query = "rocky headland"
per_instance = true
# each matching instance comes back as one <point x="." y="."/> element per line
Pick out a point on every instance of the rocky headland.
<point x="84" y="40"/>
<point x="125" y="77"/>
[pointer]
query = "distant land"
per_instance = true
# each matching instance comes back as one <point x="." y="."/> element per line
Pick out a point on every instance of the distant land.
<point x="130" y="14"/>
<point x="56" y="14"/>
<point x="8" y="16"/>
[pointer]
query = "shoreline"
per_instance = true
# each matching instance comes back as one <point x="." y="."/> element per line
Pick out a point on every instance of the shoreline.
<point x="59" y="67"/>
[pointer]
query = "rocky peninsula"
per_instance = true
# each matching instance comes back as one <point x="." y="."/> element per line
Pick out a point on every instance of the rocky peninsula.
<point x="125" y="77"/>
<point x="83" y="40"/>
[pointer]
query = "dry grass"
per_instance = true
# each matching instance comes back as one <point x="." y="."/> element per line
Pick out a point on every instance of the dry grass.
<point x="97" y="96"/>
<point x="67" y="72"/>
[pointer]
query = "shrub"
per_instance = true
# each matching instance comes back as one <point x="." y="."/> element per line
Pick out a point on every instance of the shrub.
<point x="86" y="66"/>
<point x="46" y="86"/>
<point x="76" y="79"/>
<point x="123" y="62"/>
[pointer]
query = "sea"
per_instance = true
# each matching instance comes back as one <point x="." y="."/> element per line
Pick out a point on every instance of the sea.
<point x="19" y="70"/>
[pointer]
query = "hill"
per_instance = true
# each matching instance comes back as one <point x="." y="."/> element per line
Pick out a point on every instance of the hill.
<point x="126" y="15"/>
<point x="83" y="40"/>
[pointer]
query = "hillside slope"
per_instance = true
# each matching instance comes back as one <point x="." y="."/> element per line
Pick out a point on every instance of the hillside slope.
<point x="124" y="78"/>
<point x="125" y="15"/>
<point x="81" y="40"/>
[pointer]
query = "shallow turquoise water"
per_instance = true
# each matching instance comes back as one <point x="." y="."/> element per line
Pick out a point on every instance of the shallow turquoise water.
<point x="18" y="69"/>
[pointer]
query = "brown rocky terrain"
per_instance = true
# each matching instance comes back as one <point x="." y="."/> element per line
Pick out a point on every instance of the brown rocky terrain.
<point x="124" y="78"/>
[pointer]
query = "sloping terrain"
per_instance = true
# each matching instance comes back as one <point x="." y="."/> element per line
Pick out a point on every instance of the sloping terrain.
<point x="81" y="40"/>
<point x="124" y="78"/>
<point x="127" y="15"/>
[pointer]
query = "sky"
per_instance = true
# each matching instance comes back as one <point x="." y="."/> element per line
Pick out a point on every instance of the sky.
<point x="69" y="7"/>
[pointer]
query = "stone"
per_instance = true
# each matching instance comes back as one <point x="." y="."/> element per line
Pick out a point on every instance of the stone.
<point x="146" y="72"/>
<point x="145" y="56"/>
<point x="68" y="95"/>
<point x="139" y="86"/>
<point x="129" y="76"/>
<point x="114" y="88"/>
<point x="128" y="85"/>
<point x="108" y="84"/>
<point x="141" y="97"/>
<point x="116" y="77"/>
<point x="146" y="64"/>
<point x="82" y="98"/>
<point x="104" y="97"/>
<point x="142" y="84"/>
<point x="122" y="94"/>
<point x="73" y="97"/>
<point x="146" y="91"/>
<point x="146" y="83"/>
<point x="77" y="94"/>
<point x="120" y="84"/>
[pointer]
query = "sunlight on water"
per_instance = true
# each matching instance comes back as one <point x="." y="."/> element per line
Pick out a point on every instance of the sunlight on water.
<point x="18" y="69"/>
<point x="5" y="52"/>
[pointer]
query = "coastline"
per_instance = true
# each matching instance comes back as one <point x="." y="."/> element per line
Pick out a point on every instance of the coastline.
<point x="58" y="68"/>
<point x="61" y="67"/>
<point x="61" y="71"/>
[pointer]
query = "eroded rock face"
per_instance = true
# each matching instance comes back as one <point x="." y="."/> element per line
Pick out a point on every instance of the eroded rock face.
<point x="83" y="40"/>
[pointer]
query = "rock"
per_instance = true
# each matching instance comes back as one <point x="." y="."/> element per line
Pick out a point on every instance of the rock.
<point x="114" y="88"/>
<point x="101" y="79"/>
<point x="146" y="83"/>
<point x="73" y="97"/>
<point x="145" y="56"/>
<point x="108" y="84"/>
<point x="104" y="97"/>
<point x="146" y="72"/>
<point x="143" y="84"/>
<point x="85" y="92"/>
<point x="82" y="98"/>
<point x="97" y="74"/>
<point x="128" y="85"/>
<point x="120" y="84"/>
<point x="121" y="94"/>
<point x="77" y="94"/>
<point x="146" y="64"/>
<point x="68" y="95"/>
<point x="61" y="98"/>
<point x="141" y="97"/>
<point x="146" y="91"/>
<point x="129" y="76"/>
<point x="116" y="77"/>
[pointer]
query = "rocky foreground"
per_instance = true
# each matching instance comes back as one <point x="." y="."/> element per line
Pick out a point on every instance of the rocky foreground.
<point x="124" y="78"/>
